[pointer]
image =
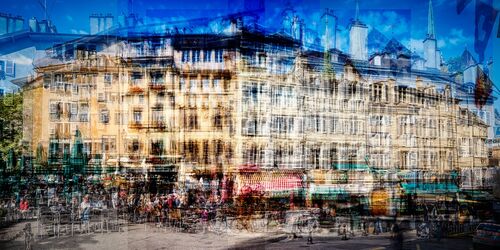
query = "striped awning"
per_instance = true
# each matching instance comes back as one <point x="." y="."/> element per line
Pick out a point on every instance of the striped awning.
<point x="269" y="182"/>
<point x="429" y="188"/>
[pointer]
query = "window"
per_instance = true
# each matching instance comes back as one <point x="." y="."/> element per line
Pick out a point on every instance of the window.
<point x="185" y="56"/>
<point x="217" y="87"/>
<point x="335" y="125"/>
<point x="141" y="99"/>
<point x="104" y="116"/>
<point x="108" y="79"/>
<point x="207" y="56"/>
<point x="118" y="118"/>
<point x="101" y="97"/>
<point x="262" y="60"/>
<point x="193" y="85"/>
<point x="55" y="110"/>
<point x="108" y="144"/>
<point x="196" y="56"/>
<point x="218" y="55"/>
<point x="84" y="115"/>
<point x="135" y="145"/>
<point x="470" y="90"/>
<point x="73" y="112"/>
<point x="193" y="121"/>
<point x="249" y="126"/>
<point x="136" y="78"/>
<point x="206" y="85"/>
<point x="217" y="121"/>
<point x="74" y="89"/>
<point x="160" y="98"/>
<point x="157" y="147"/>
<point x="182" y="85"/>
<point x="2" y="70"/>
<point x="137" y="116"/>
<point x="9" y="68"/>
<point x="157" y="117"/>
<point x="377" y="92"/>
<point x="157" y="78"/>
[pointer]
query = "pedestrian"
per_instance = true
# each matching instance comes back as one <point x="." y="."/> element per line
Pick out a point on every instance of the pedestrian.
<point x="397" y="236"/>
<point x="378" y="226"/>
<point x="84" y="209"/>
<point x="365" y="227"/>
<point x="24" y="207"/>
<point x="310" y="239"/>
<point x="438" y="230"/>
<point x="344" y="232"/>
<point x="204" y="219"/>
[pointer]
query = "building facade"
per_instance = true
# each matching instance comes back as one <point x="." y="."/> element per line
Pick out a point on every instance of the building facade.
<point x="214" y="104"/>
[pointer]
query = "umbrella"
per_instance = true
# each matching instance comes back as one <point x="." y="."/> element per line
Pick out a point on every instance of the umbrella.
<point x="77" y="156"/>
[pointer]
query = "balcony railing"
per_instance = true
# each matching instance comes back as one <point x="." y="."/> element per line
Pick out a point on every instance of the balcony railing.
<point x="135" y="90"/>
<point x="135" y="125"/>
<point x="160" y="125"/>
<point x="157" y="86"/>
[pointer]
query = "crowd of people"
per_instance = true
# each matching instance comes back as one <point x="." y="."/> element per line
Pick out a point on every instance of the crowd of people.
<point x="137" y="205"/>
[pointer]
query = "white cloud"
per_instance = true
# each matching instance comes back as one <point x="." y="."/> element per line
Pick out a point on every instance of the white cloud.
<point x="389" y="23"/>
<point x="456" y="37"/>
<point x="414" y="45"/>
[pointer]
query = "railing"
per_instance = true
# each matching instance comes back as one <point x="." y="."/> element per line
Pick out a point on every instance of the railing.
<point x="160" y="125"/>
<point x="157" y="86"/>
<point x="135" y="90"/>
<point x="135" y="125"/>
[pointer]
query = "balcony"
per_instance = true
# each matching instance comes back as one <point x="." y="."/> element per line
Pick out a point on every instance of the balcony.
<point x="55" y="116"/>
<point x="159" y="125"/>
<point x="135" y="125"/>
<point x="157" y="86"/>
<point x="135" y="90"/>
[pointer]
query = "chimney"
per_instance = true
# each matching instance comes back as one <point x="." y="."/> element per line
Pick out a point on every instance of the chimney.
<point x="4" y="26"/>
<point x="33" y="24"/>
<point x="100" y="23"/>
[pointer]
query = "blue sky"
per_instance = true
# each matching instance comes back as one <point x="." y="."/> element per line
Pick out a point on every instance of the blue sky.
<point x="405" y="20"/>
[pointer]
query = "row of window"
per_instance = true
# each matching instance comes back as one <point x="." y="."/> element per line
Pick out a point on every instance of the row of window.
<point x="252" y="125"/>
<point x="316" y="156"/>
<point x="195" y="56"/>
<point x="72" y="110"/>
<point x="206" y="85"/>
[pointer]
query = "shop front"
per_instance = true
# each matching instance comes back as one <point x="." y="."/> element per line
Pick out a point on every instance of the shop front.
<point x="276" y="189"/>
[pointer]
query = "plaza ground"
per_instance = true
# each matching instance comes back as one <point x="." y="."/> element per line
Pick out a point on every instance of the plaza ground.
<point x="137" y="236"/>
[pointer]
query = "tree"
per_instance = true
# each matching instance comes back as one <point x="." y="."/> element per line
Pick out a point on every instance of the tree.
<point x="11" y="123"/>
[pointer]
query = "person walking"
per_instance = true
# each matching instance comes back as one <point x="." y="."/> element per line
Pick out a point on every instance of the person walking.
<point x="24" y="208"/>
<point x="397" y="236"/>
<point x="344" y="232"/>
<point x="84" y="211"/>
<point x="378" y="226"/>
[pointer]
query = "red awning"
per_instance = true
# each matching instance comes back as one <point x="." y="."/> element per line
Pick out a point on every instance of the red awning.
<point x="269" y="182"/>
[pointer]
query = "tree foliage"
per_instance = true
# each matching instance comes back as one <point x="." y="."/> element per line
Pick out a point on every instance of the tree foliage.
<point x="11" y="123"/>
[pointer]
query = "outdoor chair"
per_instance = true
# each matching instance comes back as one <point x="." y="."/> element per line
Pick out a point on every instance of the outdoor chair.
<point x="46" y="224"/>
<point x="65" y="224"/>
<point x="95" y="220"/>
<point x="113" y="221"/>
